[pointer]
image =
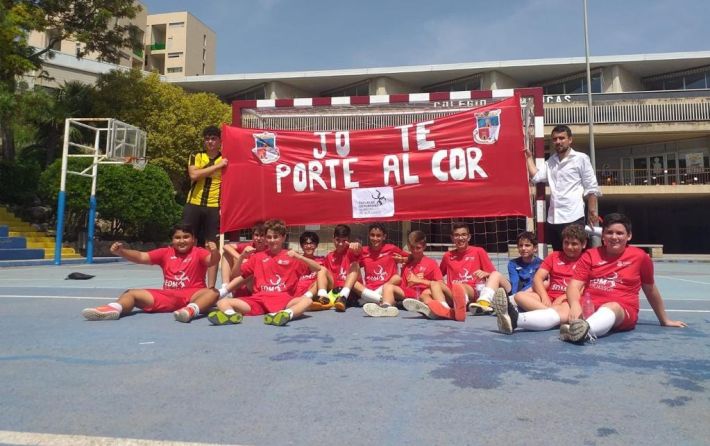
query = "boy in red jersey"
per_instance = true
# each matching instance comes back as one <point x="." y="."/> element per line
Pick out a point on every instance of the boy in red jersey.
<point x="343" y="267"/>
<point x="232" y="252"/>
<point x="613" y="274"/>
<point x="184" y="267"/>
<point x="276" y="272"/>
<point x="470" y="275"/>
<point x="379" y="261"/>
<point x="314" y="281"/>
<point x="417" y="275"/>
<point x="546" y="306"/>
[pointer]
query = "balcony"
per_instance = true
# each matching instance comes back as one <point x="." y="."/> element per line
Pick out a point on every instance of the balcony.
<point x="630" y="108"/>
<point x="157" y="46"/>
<point x="646" y="177"/>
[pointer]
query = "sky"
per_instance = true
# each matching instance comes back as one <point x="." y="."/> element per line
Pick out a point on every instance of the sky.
<point x="260" y="36"/>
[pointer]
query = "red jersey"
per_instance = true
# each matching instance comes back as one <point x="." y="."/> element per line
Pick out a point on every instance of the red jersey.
<point x="181" y="270"/>
<point x="241" y="246"/>
<point x="426" y="268"/>
<point x="274" y="273"/>
<point x="306" y="280"/>
<point x="561" y="269"/>
<point x="339" y="265"/>
<point x="379" y="265"/>
<point x="615" y="279"/>
<point x="458" y="267"/>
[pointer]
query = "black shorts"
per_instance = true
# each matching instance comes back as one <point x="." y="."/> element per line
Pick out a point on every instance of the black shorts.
<point x="553" y="233"/>
<point x="204" y="221"/>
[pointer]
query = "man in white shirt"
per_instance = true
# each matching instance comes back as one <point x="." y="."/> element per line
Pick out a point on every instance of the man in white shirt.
<point x="571" y="179"/>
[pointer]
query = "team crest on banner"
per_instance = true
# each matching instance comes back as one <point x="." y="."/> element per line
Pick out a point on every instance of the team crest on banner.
<point x="265" y="147"/>
<point x="373" y="202"/>
<point x="487" y="127"/>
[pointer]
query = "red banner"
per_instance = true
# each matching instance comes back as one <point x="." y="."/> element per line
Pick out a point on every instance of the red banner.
<point x="468" y="164"/>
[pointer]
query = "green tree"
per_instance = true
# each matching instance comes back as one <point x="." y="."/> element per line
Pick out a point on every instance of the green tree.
<point x="129" y="203"/>
<point x="95" y="23"/>
<point x="173" y="118"/>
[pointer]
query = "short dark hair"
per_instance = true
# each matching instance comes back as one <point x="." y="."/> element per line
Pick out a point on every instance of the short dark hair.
<point x="416" y="237"/>
<point x="341" y="231"/>
<point x="184" y="227"/>
<point x="617" y="218"/>
<point x="377" y="225"/>
<point x="212" y="130"/>
<point x="276" y="225"/>
<point x="575" y="232"/>
<point x="308" y="235"/>
<point x="527" y="235"/>
<point x="258" y="228"/>
<point x="561" y="128"/>
<point x="458" y="225"/>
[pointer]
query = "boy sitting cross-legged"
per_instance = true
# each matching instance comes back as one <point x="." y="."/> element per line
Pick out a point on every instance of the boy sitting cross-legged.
<point x="276" y="272"/>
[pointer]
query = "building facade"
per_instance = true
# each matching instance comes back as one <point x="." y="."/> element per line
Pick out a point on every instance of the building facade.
<point x="651" y="115"/>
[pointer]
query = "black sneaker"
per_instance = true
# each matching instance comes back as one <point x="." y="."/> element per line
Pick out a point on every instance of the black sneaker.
<point x="340" y="304"/>
<point x="577" y="332"/>
<point x="506" y="313"/>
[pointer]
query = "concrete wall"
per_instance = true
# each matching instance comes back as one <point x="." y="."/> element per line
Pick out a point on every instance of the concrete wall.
<point x="278" y="90"/>
<point x="386" y="85"/>
<point x="495" y="80"/>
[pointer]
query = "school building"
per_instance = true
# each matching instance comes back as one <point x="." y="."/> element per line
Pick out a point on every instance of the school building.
<point x="651" y="115"/>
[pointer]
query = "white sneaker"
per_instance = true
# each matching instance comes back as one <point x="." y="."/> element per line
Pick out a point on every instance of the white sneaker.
<point x="415" y="305"/>
<point x="375" y="310"/>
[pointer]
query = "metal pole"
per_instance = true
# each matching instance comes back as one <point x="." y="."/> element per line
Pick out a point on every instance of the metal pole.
<point x="91" y="222"/>
<point x="590" y="115"/>
<point x="61" y="197"/>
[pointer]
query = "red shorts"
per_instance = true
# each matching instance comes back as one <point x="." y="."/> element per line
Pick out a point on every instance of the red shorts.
<point x="631" y="317"/>
<point x="302" y="287"/>
<point x="262" y="303"/>
<point x="165" y="301"/>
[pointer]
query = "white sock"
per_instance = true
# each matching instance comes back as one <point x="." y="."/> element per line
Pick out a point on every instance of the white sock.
<point x="230" y="311"/>
<point x="486" y="294"/>
<point x="511" y="299"/>
<point x="194" y="306"/>
<point x="601" y="321"/>
<point x="322" y="293"/>
<point x="116" y="306"/>
<point x="446" y="304"/>
<point x="345" y="292"/>
<point x="308" y="294"/>
<point x="290" y="313"/>
<point x="223" y="291"/>
<point x="372" y="295"/>
<point x="539" y="320"/>
<point x="379" y="290"/>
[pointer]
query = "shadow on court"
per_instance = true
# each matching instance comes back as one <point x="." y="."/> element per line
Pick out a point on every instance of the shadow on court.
<point x="343" y="378"/>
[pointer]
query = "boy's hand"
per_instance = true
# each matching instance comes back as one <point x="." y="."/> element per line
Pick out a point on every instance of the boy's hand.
<point x="481" y="274"/>
<point x="292" y="253"/>
<point x="671" y="323"/>
<point x="116" y="247"/>
<point x="212" y="246"/>
<point x="355" y="247"/>
<point x="248" y="251"/>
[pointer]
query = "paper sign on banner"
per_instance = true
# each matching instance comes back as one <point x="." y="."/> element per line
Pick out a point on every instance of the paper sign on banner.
<point x="373" y="202"/>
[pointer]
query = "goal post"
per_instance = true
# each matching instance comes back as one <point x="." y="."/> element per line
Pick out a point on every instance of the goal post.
<point x="377" y="111"/>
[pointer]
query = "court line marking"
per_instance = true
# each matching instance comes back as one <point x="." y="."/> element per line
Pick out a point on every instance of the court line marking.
<point x="32" y="438"/>
<point x="678" y="311"/>
<point x="17" y="296"/>
<point x="683" y="280"/>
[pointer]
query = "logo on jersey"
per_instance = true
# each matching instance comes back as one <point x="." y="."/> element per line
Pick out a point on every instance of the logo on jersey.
<point x="606" y="283"/>
<point x="464" y="277"/>
<point x="265" y="148"/>
<point x="275" y="285"/>
<point x="178" y="281"/>
<point x="621" y="264"/>
<point x="378" y="275"/>
<point x="487" y="127"/>
<point x="559" y="286"/>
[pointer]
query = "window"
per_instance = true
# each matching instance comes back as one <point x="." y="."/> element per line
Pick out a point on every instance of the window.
<point x="683" y="80"/>
<point x="176" y="25"/>
<point x="258" y="92"/>
<point x="174" y="55"/>
<point x="175" y="70"/>
<point x="461" y="84"/>
<point x="575" y="84"/>
<point x="359" y="89"/>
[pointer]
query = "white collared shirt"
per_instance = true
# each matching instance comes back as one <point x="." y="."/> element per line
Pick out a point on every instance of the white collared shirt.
<point x="570" y="180"/>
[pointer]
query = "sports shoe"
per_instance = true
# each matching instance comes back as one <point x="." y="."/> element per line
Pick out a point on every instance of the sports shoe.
<point x="439" y="310"/>
<point x="459" y="296"/>
<point x="279" y="319"/>
<point x="102" y="313"/>
<point x="219" y="317"/>
<point x="316" y="306"/>
<point x="577" y="332"/>
<point x="340" y="304"/>
<point x="506" y="313"/>
<point x="415" y="305"/>
<point x="375" y="310"/>
<point x="480" y="308"/>
<point x="184" y="314"/>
